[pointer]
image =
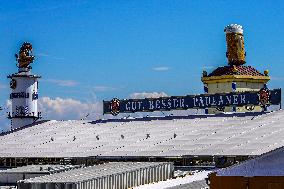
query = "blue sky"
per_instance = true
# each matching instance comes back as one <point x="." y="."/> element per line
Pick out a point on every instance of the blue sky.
<point x="94" y="50"/>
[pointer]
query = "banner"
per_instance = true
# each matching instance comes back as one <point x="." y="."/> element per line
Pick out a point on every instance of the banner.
<point x="264" y="97"/>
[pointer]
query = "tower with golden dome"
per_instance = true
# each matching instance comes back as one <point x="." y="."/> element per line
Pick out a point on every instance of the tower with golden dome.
<point x="236" y="76"/>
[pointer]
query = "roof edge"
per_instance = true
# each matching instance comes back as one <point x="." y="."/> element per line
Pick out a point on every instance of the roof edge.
<point x="235" y="78"/>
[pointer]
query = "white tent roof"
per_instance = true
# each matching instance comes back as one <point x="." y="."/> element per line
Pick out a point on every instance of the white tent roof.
<point x="234" y="134"/>
<point x="96" y="171"/>
<point x="40" y="169"/>
<point x="269" y="164"/>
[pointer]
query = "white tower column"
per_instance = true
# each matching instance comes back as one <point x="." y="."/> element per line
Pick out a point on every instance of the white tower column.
<point x="24" y="98"/>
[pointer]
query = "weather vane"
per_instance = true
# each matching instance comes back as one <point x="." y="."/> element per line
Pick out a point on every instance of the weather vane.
<point x="25" y="57"/>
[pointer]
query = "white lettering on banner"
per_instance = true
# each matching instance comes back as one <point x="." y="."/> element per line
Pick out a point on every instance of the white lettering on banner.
<point x="133" y="106"/>
<point x="164" y="103"/>
<point x="194" y="101"/>
<point x="201" y="101"/>
<point x="209" y="100"/>
<point x="151" y="105"/>
<point x="235" y="101"/>
<point x="184" y="103"/>
<point x="181" y="103"/>
<point x="206" y="100"/>
<point x="157" y="104"/>
<point x="221" y="102"/>
<point x="229" y="99"/>
<point x="214" y="101"/>
<point x="169" y="103"/>
<point x="128" y="106"/>
<point x="175" y="102"/>
<point x="139" y="105"/>
<point x="243" y="99"/>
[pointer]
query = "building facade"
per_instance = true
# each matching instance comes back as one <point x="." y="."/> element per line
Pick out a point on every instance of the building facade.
<point x="236" y="76"/>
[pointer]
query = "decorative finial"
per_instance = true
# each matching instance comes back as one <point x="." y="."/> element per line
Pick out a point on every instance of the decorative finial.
<point x="266" y="72"/>
<point x="235" y="44"/>
<point x="25" y="58"/>
<point x="204" y="73"/>
<point x="235" y="69"/>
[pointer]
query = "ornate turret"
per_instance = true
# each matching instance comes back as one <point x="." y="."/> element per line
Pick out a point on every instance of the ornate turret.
<point x="235" y="77"/>
<point x="24" y="86"/>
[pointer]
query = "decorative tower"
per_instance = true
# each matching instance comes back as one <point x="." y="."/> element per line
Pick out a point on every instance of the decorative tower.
<point x="24" y="87"/>
<point x="235" y="77"/>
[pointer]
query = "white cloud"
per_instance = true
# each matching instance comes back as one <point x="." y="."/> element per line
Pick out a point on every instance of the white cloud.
<point x="162" y="68"/>
<point x="68" y="108"/>
<point x="148" y="95"/>
<point x="63" y="83"/>
<point x="103" y="88"/>
<point x="58" y="109"/>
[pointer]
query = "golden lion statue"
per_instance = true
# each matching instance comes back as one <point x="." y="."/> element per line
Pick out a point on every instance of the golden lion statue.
<point x="25" y="58"/>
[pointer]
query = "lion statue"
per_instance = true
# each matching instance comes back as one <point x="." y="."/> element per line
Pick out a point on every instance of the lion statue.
<point x="25" y="58"/>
